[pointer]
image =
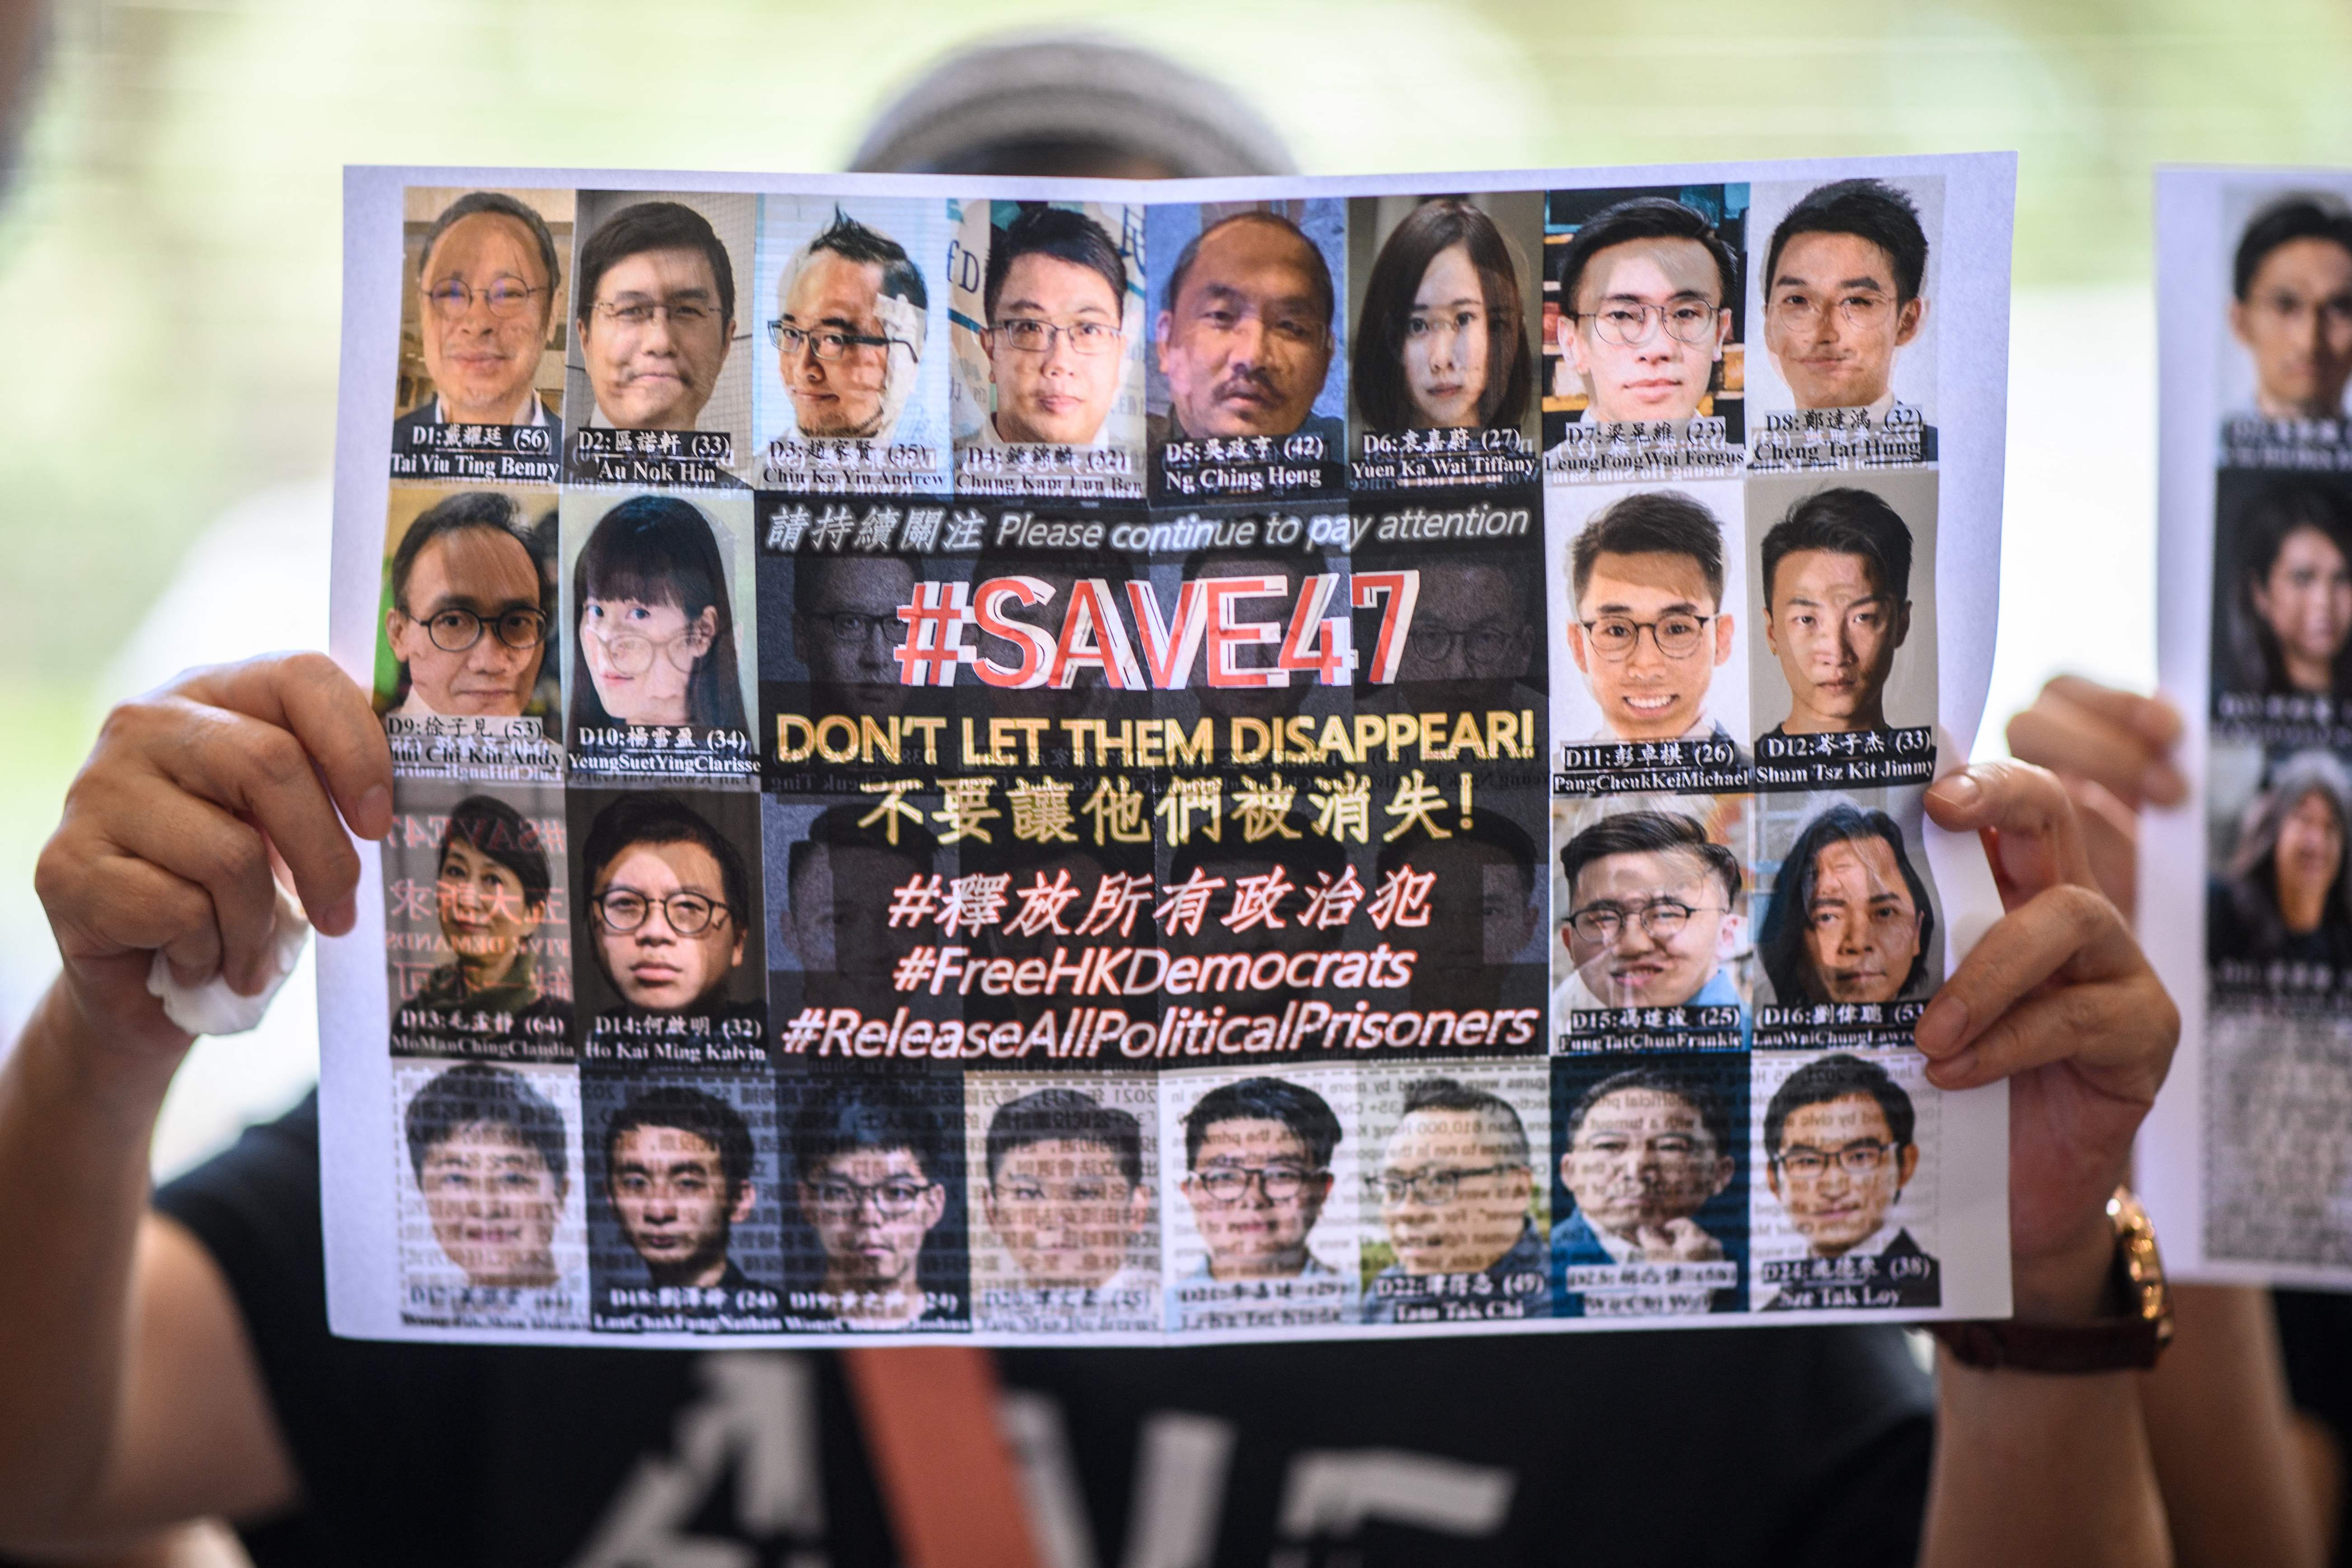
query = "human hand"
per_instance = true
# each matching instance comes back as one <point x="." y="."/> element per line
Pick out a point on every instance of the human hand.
<point x="171" y="829"/>
<point x="2058" y="999"/>
<point x="2113" y="750"/>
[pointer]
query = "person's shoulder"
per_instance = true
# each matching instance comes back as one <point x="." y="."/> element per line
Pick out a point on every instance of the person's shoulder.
<point x="424" y="416"/>
<point x="1573" y="1241"/>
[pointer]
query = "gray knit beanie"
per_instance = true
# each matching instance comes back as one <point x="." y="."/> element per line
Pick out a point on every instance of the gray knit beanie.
<point x="1054" y="102"/>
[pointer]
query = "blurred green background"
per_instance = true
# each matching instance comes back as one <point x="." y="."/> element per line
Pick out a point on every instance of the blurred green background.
<point x="170" y="260"/>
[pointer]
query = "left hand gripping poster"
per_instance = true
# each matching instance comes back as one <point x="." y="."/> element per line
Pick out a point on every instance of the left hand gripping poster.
<point x="1064" y="763"/>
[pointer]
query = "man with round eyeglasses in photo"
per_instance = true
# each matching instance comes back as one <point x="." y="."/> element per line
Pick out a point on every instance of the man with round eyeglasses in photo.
<point x="1651" y="902"/>
<point x="1258" y="1171"/>
<point x="852" y="310"/>
<point x="468" y="621"/>
<point x="1649" y="629"/>
<point x="1840" y="1145"/>
<point x="1056" y="298"/>
<point x="1644" y="317"/>
<point x="1454" y="1185"/>
<point x="872" y="1168"/>
<point x="656" y="315"/>
<point x="668" y="905"/>
<point x="1841" y="295"/>
<point x="485" y="278"/>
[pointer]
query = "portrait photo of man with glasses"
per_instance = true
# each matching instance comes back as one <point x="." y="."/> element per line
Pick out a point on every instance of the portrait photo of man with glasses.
<point x="1455" y="1187"/>
<point x="1650" y="1189"/>
<point x="855" y="285"/>
<point x="877" y="1182"/>
<point x="1653" y="579"/>
<point x="1653" y="916"/>
<point x="653" y="326"/>
<point x="468" y="604"/>
<point x="1840" y="1141"/>
<point x="1849" y="642"/>
<point x="1058" y="366"/>
<point x="1844" y="293"/>
<point x="668" y="911"/>
<point x="479" y="320"/>
<point x="1259" y="1169"/>
<point x="1646" y="305"/>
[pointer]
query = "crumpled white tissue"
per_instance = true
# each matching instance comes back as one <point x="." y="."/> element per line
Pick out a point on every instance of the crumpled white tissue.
<point x="213" y="1008"/>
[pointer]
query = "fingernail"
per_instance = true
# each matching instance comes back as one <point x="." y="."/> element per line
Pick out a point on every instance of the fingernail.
<point x="2162" y="784"/>
<point x="1955" y="1073"/>
<point x="1959" y="791"/>
<point x="1942" y="1026"/>
<point x="375" y="806"/>
<point x="338" y="917"/>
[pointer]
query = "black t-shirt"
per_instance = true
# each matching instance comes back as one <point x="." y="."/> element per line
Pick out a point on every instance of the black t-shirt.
<point x="1746" y="1446"/>
<point x="2315" y="1341"/>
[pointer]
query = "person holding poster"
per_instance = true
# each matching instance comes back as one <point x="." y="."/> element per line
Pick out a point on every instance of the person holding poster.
<point x="1644" y="289"/>
<point x="2293" y="307"/>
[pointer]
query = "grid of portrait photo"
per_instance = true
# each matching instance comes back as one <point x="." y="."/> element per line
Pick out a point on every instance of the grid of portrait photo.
<point x="2273" y="305"/>
<point x="1153" y="771"/>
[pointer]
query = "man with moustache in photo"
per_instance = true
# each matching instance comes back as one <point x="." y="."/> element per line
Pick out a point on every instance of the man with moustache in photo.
<point x="846" y="632"/>
<point x="1244" y="337"/>
<point x="851" y="311"/>
<point x="1837" y="603"/>
<point x="1066" y="1193"/>
<point x="1647" y="1149"/>
<point x="1839" y="1145"/>
<point x="656" y="315"/>
<point x="667" y="908"/>
<point x="1257" y="1171"/>
<point x="872" y="1167"/>
<point x="1649" y="629"/>
<point x="838" y="879"/>
<point x="487" y="280"/>
<point x="1454" y="1186"/>
<point x="1055" y="297"/>
<point x="1651" y="914"/>
<point x="2291" y="278"/>
<point x="1841" y="283"/>
<point x="677" y="1171"/>
<point x="1644" y="292"/>
<point x="468" y="615"/>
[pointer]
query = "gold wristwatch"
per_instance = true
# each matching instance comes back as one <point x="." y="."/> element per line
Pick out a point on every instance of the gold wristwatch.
<point x="2132" y="1338"/>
